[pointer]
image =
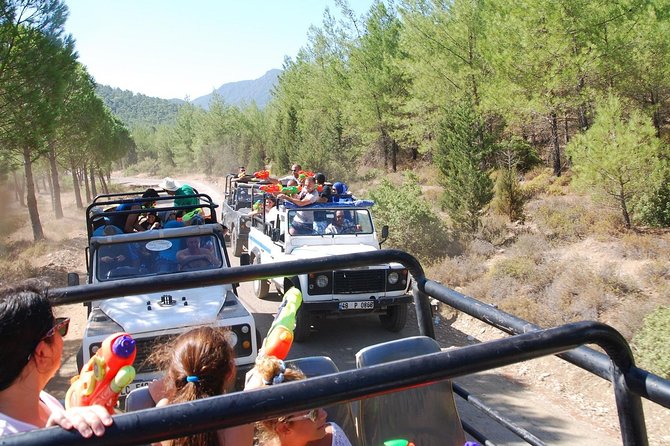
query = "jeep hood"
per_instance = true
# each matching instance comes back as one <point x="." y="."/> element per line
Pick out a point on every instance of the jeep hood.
<point x="304" y="252"/>
<point x="133" y="314"/>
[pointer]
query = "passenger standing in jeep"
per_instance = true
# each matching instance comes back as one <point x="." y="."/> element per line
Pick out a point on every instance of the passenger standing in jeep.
<point x="302" y="222"/>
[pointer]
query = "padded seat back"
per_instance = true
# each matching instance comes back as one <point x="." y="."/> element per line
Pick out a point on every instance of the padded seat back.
<point x="341" y="413"/>
<point x="425" y="415"/>
<point x="139" y="399"/>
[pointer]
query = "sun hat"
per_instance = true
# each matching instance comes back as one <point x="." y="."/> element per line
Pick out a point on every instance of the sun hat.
<point x="169" y="184"/>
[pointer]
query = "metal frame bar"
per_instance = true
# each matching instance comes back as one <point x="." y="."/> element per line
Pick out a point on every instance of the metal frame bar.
<point x="629" y="382"/>
<point x="248" y="406"/>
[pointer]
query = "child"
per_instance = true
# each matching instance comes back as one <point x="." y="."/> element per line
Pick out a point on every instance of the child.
<point x="298" y="429"/>
<point x="199" y="364"/>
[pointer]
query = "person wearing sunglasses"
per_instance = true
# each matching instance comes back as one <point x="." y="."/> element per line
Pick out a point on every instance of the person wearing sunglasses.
<point x="300" y="428"/>
<point x="31" y="347"/>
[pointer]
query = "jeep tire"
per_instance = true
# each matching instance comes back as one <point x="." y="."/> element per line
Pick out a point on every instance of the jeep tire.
<point x="303" y="322"/>
<point x="261" y="286"/>
<point x="395" y="318"/>
<point x="235" y="242"/>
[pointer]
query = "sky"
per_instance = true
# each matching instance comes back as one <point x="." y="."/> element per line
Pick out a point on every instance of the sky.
<point x="179" y="48"/>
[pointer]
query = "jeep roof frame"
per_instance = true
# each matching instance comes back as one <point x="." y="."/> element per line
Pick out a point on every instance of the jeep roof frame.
<point x="630" y="383"/>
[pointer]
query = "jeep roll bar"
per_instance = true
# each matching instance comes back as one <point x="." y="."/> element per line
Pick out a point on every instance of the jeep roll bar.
<point x="529" y="341"/>
<point x="205" y="201"/>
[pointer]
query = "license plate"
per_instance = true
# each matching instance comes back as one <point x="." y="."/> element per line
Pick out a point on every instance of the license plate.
<point x="133" y="386"/>
<point x="358" y="305"/>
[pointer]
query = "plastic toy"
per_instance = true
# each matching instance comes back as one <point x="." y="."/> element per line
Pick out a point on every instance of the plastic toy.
<point x="291" y="190"/>
<point x="262" y="174"/>
<point x="105" y="375"/>
<point x="271" y="188"/>
<point x="280" y="336"/>
<point x="398" y="442"/>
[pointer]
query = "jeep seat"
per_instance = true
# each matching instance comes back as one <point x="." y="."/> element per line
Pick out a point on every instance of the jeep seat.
<point x="425" y="415"/>
<point x="341" y="414"/>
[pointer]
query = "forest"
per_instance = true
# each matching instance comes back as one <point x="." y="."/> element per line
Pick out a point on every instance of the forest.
<point x="490" y="95"/>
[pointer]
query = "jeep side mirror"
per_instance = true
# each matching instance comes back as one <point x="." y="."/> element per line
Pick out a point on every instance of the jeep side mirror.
<point x="276" y="235"/>
<point x="245" y="259"/>
<point x="385" y="234"/>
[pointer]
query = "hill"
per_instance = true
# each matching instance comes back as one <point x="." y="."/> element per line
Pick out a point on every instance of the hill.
<point x="244" y="92"/>
<point x="137" y="109"/>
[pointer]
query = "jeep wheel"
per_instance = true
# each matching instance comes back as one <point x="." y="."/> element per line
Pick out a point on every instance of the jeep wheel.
<point x="395" y="318"/>
<point x="261" y="286"/>
<point x="303" y="323"/>
<point x="235" y="243"/>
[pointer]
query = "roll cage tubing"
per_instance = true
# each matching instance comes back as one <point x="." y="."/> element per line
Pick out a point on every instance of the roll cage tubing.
<point x="530" y="341"/>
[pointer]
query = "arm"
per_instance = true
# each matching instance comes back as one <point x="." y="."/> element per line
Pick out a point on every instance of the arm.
<point x="307" y="200"/>
<point x="132" y="222"/>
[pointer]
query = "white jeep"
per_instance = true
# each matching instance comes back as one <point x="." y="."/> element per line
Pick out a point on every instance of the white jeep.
<point x="153" y="318"/>
<point x="381" y="289"/>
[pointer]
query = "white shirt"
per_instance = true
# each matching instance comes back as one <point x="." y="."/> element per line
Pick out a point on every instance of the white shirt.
<point x="9" y="425"/>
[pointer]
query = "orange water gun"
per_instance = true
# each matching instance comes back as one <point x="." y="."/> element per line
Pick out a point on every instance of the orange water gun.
<point x="262" y="174"/>
<point x="271" y="188"/>
<point x="304" y="174"/>
<point x="280" y="336"/>
<point x="105" y="375"/>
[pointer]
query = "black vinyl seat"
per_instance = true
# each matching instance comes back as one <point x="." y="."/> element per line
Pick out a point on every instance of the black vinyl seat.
<point x="425" y="415"/>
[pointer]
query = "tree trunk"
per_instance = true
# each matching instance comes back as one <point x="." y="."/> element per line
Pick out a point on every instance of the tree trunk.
<point x="105" y="190"/>
<point x="394" y="155"/>
<point x="566" y="129"/>
<point x="38" y="234"/>
<point x="624" y="207"/>
<point x="94" y="190"/>
<point x="88" y="189"/>
<point x="75" y="185"/>
<point x="556" y="147"/>
<point x="55" y="184"/>
<point x="656" y="116"/>
<point x="20" y="189"/>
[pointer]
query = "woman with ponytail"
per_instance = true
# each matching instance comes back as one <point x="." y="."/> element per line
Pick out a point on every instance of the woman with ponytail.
<point x="199" y="364"/>
<point x="306" y="428"/>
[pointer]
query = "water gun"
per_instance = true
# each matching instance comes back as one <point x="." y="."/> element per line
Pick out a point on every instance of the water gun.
<point x="271" y="188"/>
<point x="304" y="174"/>
<point x="192" y="214"/>
<point x="280" y="336"/>
<point x="291" y="190"/>
<point x="262" y="174"/>
<point x="256" y="206"/>
<point x="105" y="375"/>
<point x="398" y="442"/>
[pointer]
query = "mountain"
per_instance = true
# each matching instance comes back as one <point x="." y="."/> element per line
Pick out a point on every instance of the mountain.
<point x="137" y="109"/>
<point x="244" y="92"/>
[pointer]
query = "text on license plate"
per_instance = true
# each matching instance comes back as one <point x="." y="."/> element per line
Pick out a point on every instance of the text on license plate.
<point x="358" y="305"/>
<point x="133" y="386"/>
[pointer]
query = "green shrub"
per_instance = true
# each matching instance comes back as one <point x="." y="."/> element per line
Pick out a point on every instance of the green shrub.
<point x="652" y="343"/>
<point x="413" y="226"/>
<point x="654" y="207"/>
<point x="509" y="197"/>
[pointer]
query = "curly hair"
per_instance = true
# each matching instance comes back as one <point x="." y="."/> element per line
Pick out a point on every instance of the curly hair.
<point x="268" y="369"/>
<point x="198" y="364"/>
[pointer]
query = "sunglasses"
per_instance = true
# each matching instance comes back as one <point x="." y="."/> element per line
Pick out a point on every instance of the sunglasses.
<point x="312" y="415"/>
<point x="61" y="325"/>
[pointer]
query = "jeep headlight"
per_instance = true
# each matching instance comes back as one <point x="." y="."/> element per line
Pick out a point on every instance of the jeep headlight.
<point x="322" y="281"/>
<point x="232" y="338"/>
<point x="393" y="277"/>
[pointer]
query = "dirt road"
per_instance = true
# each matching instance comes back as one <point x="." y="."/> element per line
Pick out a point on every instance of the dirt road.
<point x="543" y="396"/>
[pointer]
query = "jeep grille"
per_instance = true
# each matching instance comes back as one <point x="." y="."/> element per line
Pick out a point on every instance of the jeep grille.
<point x="359" y="281"/>
<point x="146" y="346"/>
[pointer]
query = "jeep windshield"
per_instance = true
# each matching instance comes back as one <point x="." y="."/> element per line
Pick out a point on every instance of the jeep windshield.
<point x="168" y="255"/>
<point x="330" y="222"/>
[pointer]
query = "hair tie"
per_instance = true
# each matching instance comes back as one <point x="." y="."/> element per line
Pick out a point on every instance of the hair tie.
<point x="279" y="377"/>
<point x="192" y="379"/>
